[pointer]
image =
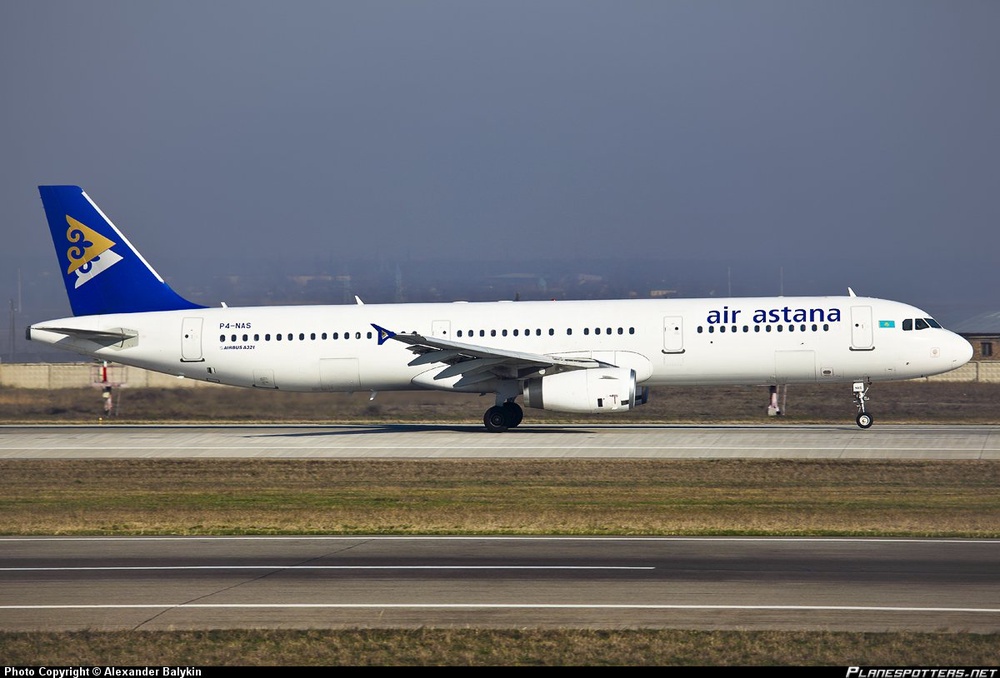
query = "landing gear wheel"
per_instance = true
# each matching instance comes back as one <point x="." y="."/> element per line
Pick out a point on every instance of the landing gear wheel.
<point x="514" y="413"/>
<point x="864" y="419"/>
<point x="496" y="420"/>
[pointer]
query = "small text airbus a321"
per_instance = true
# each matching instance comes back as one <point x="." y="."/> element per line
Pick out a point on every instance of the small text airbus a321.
<point x="567" y="356"/>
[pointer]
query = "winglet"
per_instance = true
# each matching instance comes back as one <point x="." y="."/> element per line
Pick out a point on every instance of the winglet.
<point x="384" y="335"/>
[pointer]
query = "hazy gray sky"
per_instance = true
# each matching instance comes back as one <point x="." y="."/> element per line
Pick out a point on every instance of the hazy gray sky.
<point x="818" y="130"/>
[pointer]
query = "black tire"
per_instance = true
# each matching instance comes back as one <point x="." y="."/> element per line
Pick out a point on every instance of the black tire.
<point x="495" y="420"/>
<point x="865" y="420"/>
<point x="515" y="415"/>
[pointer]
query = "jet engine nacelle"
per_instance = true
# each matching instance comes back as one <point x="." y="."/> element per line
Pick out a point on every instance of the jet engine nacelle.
<point x="603" y="389"/>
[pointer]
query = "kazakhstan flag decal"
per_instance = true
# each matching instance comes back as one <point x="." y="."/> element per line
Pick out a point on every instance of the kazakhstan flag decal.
<point x="886" y="323"/>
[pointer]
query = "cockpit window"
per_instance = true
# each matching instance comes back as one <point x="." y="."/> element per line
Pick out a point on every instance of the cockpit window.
<point x="920" y="324"/>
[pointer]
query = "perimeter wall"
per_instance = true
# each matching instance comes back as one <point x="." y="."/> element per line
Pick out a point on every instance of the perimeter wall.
<point x="79" y="375"/>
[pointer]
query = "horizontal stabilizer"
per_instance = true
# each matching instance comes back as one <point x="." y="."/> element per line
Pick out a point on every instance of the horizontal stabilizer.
<point x="92" y="335"/>
<point x="100" y="337"/>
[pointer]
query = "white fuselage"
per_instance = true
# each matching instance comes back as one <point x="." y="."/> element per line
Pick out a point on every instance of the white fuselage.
<point x="772" y="340"/>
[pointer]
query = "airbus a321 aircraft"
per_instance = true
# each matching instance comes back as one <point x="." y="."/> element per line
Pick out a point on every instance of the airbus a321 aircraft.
<point x="567" y="356"/>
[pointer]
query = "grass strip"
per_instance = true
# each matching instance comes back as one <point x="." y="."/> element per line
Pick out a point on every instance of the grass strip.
<point x="484" y="647"/>
<point x="508" y="497"/>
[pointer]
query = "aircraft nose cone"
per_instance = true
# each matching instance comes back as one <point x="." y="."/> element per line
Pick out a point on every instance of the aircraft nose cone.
<point x="959" y="351"/>
<point x="964" y="350"/>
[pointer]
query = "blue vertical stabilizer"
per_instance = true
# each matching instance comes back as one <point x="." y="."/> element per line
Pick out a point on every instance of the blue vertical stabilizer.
<point x="102" y="271"/>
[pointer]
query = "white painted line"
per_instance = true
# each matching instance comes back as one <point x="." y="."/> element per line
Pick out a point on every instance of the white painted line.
<point x="140" y="568"/>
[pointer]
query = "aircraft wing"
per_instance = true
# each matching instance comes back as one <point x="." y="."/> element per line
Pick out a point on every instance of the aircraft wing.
<point x="477" y="363"/>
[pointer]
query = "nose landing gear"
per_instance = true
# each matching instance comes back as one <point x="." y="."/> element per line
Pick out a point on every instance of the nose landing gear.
<point x="864" y="419"/>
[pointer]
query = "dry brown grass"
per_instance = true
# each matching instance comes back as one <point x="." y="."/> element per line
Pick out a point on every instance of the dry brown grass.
<point x="474" y="647"/>
<point x="574" y="496"/>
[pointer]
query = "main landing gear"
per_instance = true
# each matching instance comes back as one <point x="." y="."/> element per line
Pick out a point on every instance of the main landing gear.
<point x="864" y="419"/>
<point x="499" y="418"/>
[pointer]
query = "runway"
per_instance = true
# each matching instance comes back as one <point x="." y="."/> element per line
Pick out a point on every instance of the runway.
<point x="503" y="582"/>
<point x="55" y="583"/>
<point x="471" y="441"/>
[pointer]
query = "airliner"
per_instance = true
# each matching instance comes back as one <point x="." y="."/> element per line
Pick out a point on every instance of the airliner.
<point x="567" y="356"/>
